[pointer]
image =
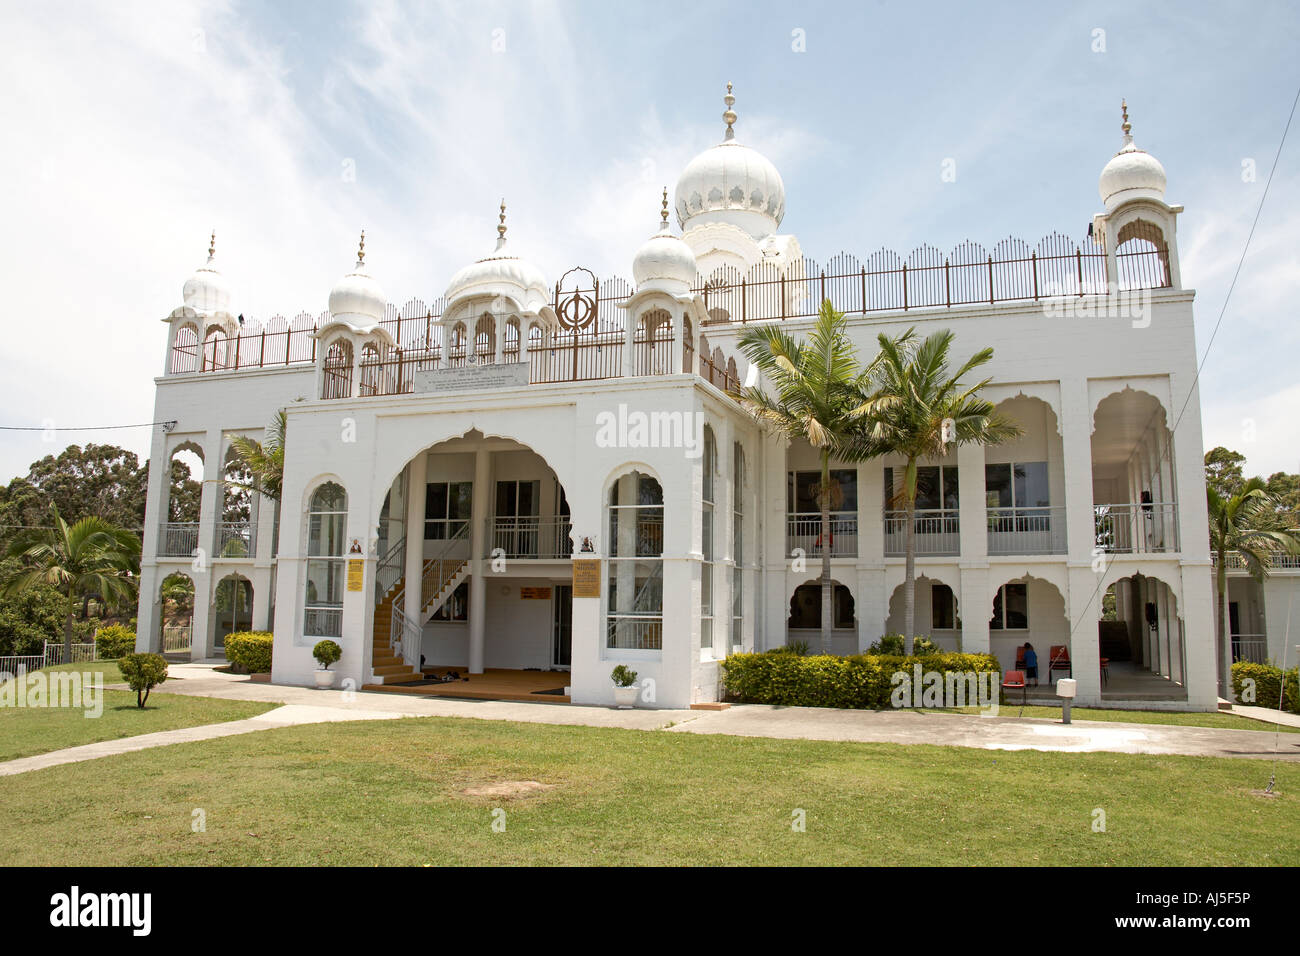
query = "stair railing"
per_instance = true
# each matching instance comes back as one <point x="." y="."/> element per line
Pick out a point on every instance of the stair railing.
<point x="406" y="634"/>
<point x="390" y="569"/>
<point x="439" y="572"/>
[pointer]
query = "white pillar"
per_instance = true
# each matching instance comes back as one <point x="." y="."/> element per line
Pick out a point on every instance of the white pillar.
<point x="417" y="472"/>
<point x="679" y="339"/>
<point x="209" y="506"/>
<point x="478" y="565"/>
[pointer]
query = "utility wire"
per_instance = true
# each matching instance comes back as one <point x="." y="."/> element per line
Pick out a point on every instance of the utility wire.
<point x="87" y="428"/>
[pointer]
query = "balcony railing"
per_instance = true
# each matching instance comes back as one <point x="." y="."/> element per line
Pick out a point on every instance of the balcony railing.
<point x="323" y="622"/>
<point x="629" y="633"/>
<point x="235" y="539"/>
<point x="178" y="539"/>
<point x="1026" y="530"/>
<point x="1277" y="560"/>
<point x="1250" y="647"/>
<point x="540" y="537"/>
<point x="1146" y="528"/>
<point x="804" y="530"/>
<point x="938" y="532"/>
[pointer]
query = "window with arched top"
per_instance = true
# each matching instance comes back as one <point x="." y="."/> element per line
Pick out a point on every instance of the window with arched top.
<point x="709" y="466"/>
<point x="327" y="515"/>
<point x="371" y="370"/>
<point x="485" y="339"/>
<point x="635" y="595"/>
<point x="510" y="347"/>
<point x="336" y="370"/>
<point x="216" y="347"/>
<point x="185" y="350"/>
<point x="737" y="545"/>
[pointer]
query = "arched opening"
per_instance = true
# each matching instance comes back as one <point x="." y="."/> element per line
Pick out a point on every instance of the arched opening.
<point x="456" y="346"/>
<point x="185" y="350"/>
<point x="652" y="343"/>
<point x="178" y="535"/>
<point x="437" y="510"/>
<point x="1134" y="497"/>
<point x="371" y="370"/>
<point x="510" y="347"/>
<point x="635" y="602"/>
<point x="937" y="612"/>
<point x="216" y="350"/>
<point x="236" y="537"/>
<point x="485" y="339"/>
<point x="336" y="372"/>
<point x="176" y="614"/>
<point x="1142" y="256"/>
<point x="1024" y="483"/>
<point x="804" y="624"/>
<point x="1140" y="641"/>
<point x="1030" y="610"/>
<point x="232" y="608"/>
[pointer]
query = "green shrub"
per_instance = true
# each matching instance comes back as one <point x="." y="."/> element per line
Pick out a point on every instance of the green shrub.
<point x="249" y="651"/>
<point x="894" y="644"/>
<point x="1268" y="678"/>
<point x="863" y="681"/>
<point x="622" y="676"/>
<point x="326" y="653"/>
<point x="798" y="648"/>
<point x="143" y="672"/>
<point x="114" y="641"/>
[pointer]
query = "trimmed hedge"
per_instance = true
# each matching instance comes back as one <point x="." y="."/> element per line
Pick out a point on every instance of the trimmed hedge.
<point x="1267" y="678"/>
<point x="862" y="682"/>
<point x="113" y="642"/>
<point x="250" y="651"/>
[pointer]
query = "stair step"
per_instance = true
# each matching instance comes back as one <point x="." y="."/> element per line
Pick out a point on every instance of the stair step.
<point x="394" y="669"/>
<point x="406" y="678"/>
<point x="379" y="662"/>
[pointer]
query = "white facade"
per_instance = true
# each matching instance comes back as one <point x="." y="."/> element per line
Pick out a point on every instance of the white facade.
<point x="503" y="420"/>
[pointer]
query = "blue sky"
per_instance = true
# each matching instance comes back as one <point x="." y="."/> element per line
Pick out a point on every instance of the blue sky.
<point x="140" y="127"/>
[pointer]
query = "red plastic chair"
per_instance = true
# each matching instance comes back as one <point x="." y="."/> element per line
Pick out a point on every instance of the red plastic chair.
<point x="1059" y="660"/>
<point x="1016" y="680"/>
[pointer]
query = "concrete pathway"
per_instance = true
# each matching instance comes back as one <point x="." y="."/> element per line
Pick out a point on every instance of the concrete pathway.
<point x="280" y="717"/>
<point x="1270" y="715"/>
<point x="304" y="705"/>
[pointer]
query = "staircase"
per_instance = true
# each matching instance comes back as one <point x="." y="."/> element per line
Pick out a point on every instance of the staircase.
<point x="388" y="667"/>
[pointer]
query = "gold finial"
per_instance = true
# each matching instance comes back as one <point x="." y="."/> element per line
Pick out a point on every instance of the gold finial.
<point x="501" y="227"/>
<point x="361" y="249"/>
<point x="1127" y="127"/>
<point x="729" y="115"/>
<point x="212" y="244"/>
<point x="663" y="213"/>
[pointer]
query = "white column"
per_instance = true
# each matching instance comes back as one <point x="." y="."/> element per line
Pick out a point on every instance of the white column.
<point x="478" y="565"/>
<point x="679" y="339"/>
<point x="775" y="608"/>
<point x="499" y="340"/>
<point x="1076" y="448"/>
<point x="209" y="507"/>
<point x="416" y="473"/>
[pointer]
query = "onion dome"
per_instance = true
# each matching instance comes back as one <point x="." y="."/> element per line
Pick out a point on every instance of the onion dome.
<point x="207" y="289"/>
<point x="356" y="298"/>
<point x="1132" y="173"/>
<point x="731" y="183"/>
<point x="501" y="273"/>
<point x="664" y="262"/>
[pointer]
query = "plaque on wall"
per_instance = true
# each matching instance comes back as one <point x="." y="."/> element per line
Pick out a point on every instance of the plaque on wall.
<point x="586" y="577"/>
<point x="356" y="573"/>
<point x="535" y="594"/>
<point x="513" y="375"/>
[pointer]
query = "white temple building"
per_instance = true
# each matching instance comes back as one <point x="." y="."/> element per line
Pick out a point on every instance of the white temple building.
<point x="546" y="476"/>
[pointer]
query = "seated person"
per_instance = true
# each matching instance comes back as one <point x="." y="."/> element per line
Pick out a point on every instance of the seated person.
<point x="1031" y="665"/>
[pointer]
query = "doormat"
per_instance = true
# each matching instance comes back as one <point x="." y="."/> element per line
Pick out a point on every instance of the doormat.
<point x="557" y="692"/>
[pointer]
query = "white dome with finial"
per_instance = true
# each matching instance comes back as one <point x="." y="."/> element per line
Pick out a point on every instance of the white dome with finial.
<point x="664" y="262"/>
<point x="1132" y="173"/>
<point x="501" y="273"/>
<point x="731" y="183"/>
<point x="207" y="289"/>
<point x="357" y="298"/>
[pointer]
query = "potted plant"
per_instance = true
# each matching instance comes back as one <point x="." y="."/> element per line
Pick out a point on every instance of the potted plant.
<point x="326" y="653"/>
<point x="625" y="689"/>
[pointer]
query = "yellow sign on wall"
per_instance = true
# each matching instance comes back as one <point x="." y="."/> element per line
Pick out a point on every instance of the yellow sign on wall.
<point x="356" y="573"/>
<point x="586" y="577"/>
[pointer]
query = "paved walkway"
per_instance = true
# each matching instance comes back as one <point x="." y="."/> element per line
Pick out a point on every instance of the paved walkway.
<point x="303" y="705"/>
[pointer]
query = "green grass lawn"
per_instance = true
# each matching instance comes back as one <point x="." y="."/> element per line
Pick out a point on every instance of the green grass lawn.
<point x="25" y="731"/>
<point x="394" y="792"/>
<point x="112" y="674"/>
<point x="1215" y="720"/>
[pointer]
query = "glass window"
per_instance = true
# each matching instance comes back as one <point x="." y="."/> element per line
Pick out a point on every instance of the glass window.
<point x="326" y="563"/>
<point x="801" y="491"/>
<point x="634" y="596"/>
<point x="1017" y="485"/>
<point x="447" y="508"/>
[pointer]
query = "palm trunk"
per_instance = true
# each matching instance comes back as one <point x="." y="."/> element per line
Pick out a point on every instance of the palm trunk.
<point x="827" y="588"/>
<point x="1224" y="630"/>
<point x="67" y="634"/>
<point x="909" y="564"/>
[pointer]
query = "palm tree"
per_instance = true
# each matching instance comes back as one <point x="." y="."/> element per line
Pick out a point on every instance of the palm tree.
<point x="912" y="407"/>
<point x="1238" y="522"/>
<point x="264" y="459"/>
<point x="813" y="394"/>
<point x="91" y="556"/>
